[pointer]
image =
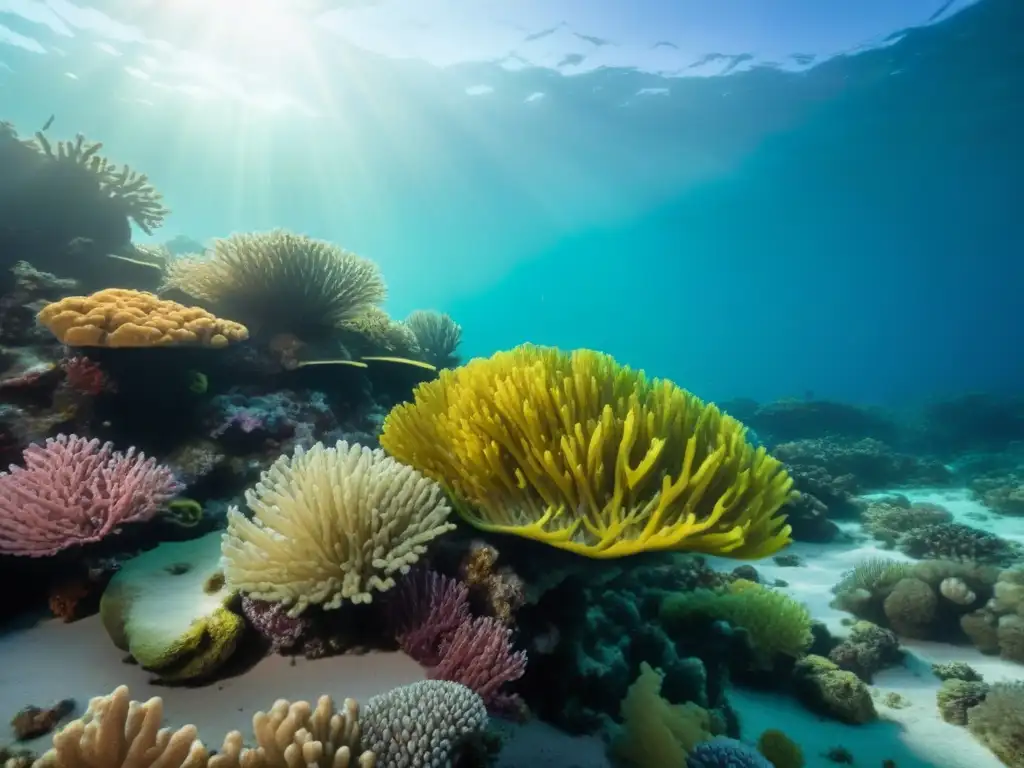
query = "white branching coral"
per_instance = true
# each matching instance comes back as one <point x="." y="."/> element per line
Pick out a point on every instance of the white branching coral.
<point x="331" y="525"/>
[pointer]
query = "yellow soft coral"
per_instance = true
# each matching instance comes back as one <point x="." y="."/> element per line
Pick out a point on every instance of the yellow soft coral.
<point x="576" y="451"/>
<point x="119" y="317"/>
<point x="656" y="732"/>
<point x="776" y="623"/>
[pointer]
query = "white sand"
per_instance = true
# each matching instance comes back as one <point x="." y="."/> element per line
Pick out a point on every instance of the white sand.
<point x="915" y="736"/>
<point x="51" y="661"/>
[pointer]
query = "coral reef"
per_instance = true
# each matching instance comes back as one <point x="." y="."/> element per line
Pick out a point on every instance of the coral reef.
<point x="126" y="318"/>
<point x="998" y="722"/>
<point x="825" y="688"/>
<point x="331" y="525"/>
<point x="775" y="623"/>
<point x="870" y="463"/>
<point x="613" y="474"/>
<point x="280" y="282"/>
<point x="867" y="650"/>
<point x="423" y="725"/>
<point x="74" y="491"/>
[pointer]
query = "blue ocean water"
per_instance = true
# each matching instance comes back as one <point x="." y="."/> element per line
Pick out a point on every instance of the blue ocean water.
<point x="753" y="202"/>
<point x="799" y="209"/>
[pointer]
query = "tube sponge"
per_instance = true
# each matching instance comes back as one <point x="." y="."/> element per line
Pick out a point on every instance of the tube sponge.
<point x="579" y="452"/>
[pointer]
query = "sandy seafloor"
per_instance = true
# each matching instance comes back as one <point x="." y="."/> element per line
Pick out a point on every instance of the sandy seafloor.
<point x="46" y="661"/>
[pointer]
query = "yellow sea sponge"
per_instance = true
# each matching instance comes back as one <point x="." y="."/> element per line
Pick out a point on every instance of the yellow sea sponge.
<point x="119" y="317"/>
<point x="579" y="452"/>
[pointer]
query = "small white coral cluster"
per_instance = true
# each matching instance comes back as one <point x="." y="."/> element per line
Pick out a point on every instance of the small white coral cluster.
<point x="331" y="525"/>
<point x="423" y="725"/>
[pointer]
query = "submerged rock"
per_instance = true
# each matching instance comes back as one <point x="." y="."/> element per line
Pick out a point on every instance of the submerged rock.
<point x="168" y="609"/>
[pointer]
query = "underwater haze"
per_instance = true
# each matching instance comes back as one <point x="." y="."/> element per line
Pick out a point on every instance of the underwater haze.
<point x="757" y="200"/>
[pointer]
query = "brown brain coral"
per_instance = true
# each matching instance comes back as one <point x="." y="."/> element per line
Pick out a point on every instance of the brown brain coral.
<point x="119" y="317"/>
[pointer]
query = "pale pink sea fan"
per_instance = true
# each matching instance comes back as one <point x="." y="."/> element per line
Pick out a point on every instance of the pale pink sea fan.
<point x="74" y="491"/>
<point x="479" y="655"/>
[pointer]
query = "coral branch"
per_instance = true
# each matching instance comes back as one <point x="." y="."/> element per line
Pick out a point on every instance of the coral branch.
<point x="479" y="655"/>
<point x="425" y="612"/>
<point x="73" y="491"/>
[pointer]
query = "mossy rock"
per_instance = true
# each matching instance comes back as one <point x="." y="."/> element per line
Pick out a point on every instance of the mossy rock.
<point x="169" y="608"/>
<point x="828" y="690"/>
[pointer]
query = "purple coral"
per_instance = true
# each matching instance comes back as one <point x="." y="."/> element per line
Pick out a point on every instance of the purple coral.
<point x="74" y="491"/>
<point x="479" y="655"/>
<point x="272" y="621"/>
<point x="281" y="415"/>
<point x="425" y="610"/>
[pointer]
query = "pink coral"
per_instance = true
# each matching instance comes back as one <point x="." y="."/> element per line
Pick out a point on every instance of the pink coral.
<point x="425" y="611"/>
<point x="479" y="655"/>
<point x="74" y="491"/>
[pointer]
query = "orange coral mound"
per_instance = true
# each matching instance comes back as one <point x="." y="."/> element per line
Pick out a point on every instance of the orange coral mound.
<point x="119" y="317"/>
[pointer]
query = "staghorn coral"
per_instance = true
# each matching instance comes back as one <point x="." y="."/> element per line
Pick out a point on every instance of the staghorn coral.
<point x="578" y="452"/>
<point x="437" y="335"/>
<point x="280" y="282"/>
<point x="130" y="191"/>
<point x="430" y="724"/>
<point x="119" y="317"/>
<point x="330" y="525"/>
<point x="295" y="734"/>
<point x="74" y="491"/>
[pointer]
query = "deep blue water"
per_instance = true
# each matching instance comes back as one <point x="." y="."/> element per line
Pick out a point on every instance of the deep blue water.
<point x="786" y="222"/>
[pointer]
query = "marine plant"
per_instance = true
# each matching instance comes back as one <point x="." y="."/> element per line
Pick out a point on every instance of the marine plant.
<point x="280" y="282"/>
<point x="438" y="337"/>
<point x="581" y="453"/>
